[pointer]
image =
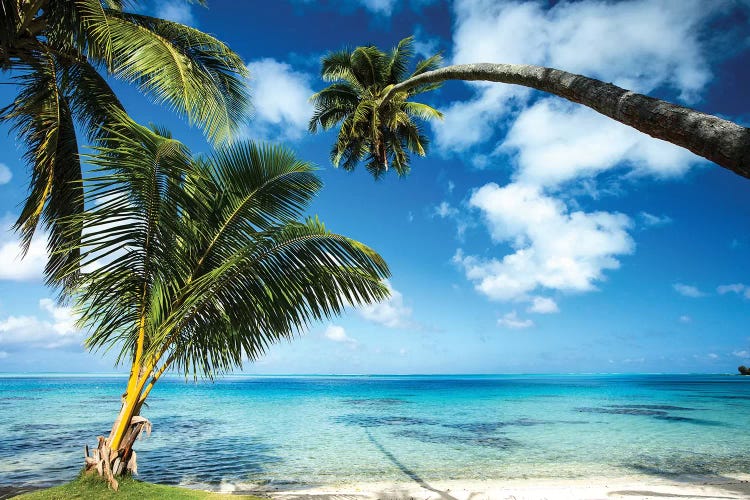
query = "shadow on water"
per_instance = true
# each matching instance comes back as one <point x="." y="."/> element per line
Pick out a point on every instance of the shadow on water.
<point x="406" y="470"/>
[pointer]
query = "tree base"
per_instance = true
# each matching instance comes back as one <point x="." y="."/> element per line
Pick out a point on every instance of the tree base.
<point x="109" y="463"/>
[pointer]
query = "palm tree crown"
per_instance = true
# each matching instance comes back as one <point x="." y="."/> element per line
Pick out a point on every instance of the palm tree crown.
<point x="59" y="52"/>
<point x="383" y="135"/>
<point x="200" y="263"/>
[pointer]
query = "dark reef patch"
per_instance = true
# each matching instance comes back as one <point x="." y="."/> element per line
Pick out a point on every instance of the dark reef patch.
<point x="645" y="411"/>
<point x="497" y="442"/>
<point x="375" y="402"/>
<point x="380" y="421"/>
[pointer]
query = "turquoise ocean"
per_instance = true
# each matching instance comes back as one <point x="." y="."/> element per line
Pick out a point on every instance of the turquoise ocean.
<point x="312" y="430"/>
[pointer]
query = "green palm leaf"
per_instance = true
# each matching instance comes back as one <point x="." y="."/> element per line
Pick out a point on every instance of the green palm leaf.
<point x="59" y="50"/>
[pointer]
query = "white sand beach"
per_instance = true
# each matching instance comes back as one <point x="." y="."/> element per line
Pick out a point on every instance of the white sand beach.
<point x="735" y="486"/>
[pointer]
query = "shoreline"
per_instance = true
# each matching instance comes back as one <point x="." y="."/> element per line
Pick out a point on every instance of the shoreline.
<point x="730" y="486"/>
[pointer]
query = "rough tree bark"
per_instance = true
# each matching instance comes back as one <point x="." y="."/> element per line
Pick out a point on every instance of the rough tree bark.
<point x="720" y="141"/>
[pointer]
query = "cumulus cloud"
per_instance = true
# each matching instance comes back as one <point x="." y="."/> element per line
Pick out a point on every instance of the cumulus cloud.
<point x="55" y="329"/>
<point x="594" y="38"/>
<point x="391" y="313"/>
<point x="13" y="265"/>
<point x="511" y="320"/>
<point x="280" y="96"/>
<point x="543" y="305"/>
<point x="688" y="290"/>
<point x="556" y="141"/>
<point x="468" y="123"/>
<point x="177" y="11"/>
<point x="337" y="334"/>
<point x="5" y="174"/>
<point x="554" y="248"/>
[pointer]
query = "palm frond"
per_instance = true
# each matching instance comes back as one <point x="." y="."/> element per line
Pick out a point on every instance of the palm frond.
<point x="422" y="111"/>
<point x="192" y="72"/>
<point x="368" y="65"/>
<point x="43" y="120"/>
<point x="399" y="60"/>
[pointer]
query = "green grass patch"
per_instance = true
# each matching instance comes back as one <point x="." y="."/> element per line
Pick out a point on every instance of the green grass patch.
<point x="92" y="487"/>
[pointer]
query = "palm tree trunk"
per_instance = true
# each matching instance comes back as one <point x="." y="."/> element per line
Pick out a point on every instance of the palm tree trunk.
<point x="112" y="463"/>
<point x="114" y="456"/>
<point x="720" y="141"/>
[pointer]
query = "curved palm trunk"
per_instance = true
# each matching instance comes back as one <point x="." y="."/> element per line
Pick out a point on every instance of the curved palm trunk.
<point x="720" y="141"/>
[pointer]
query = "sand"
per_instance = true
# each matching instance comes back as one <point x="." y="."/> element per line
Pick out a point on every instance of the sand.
<point x="734" y="486"/>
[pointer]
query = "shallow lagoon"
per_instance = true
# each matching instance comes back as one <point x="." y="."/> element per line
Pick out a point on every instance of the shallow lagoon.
<point x="318" y="430"/>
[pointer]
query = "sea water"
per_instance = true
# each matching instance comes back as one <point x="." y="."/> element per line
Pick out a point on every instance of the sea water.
<point x="301" y="430"/>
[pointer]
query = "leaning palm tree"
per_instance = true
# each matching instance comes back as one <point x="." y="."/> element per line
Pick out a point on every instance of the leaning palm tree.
<point x="380" y="135"/>
<point x="197" y="265"/>
<point x="60" y="52"/>
<point x="721" y="141"/>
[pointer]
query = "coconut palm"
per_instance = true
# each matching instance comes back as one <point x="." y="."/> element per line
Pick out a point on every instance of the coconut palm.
<point x="721" y="141"/>
<point x="197" y="265"/>
<point x="361" y="77"/>
<point x="60" y="53"/>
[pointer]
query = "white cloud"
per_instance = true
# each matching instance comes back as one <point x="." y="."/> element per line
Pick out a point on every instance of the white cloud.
<point x="685" y="319"/>
<point x="651" y="220"/>
<point x="466" y="124"/>
<point x="57" y="329"/>
<point x="557" y="141"/>
<point x="5" y="174"/>
<point x="741" y="354"/>
<point x="511" y="320"/>
<point x="13" y="266"/>
<point x="177" y="11"/>
<point x="593" y="38"/>
<point x="391" y="313"/>
<point x="445" y="210"/>
<point x="337" y="334"/>
<point x="738" y="288"/>
<point x="687" y="290"/>
<point x="543" y="305"/>
<point x="733" y="288"/>
<point x="280" y="96"/>
<point x="713" y="355"/>
<point x="554" y="248"/>
<point x="383" y="7"/>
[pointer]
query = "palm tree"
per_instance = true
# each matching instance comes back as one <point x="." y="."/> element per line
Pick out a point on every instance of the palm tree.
<point x="721" y="141"/>
<point x="361" y="77"/>
<point x="60" y="52"/>
<point x="197" y="265"/>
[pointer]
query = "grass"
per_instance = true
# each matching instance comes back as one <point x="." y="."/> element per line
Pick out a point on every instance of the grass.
<point x="92" y="487"/>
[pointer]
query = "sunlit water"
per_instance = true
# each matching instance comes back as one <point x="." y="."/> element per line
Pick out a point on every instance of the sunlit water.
<point x="319" y="430"/>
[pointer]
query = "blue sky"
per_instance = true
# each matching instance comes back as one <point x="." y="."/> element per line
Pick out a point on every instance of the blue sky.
<point x="536" y="236"/>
